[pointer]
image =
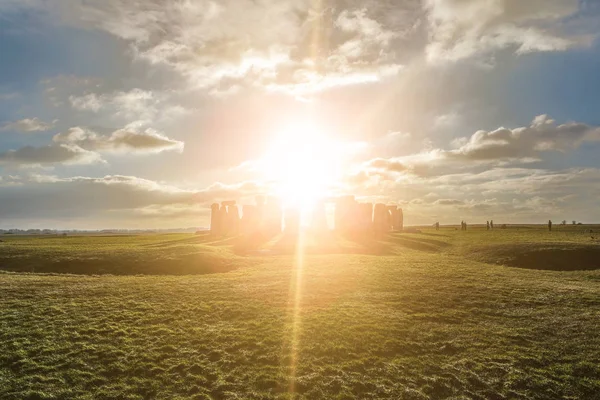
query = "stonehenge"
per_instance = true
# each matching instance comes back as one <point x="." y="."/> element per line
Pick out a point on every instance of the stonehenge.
<point x="268" y="217"/>
<point x="224" y="218"/>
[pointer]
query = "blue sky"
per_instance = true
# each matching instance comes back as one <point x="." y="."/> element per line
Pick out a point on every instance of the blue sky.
<point x="141" y="114"/>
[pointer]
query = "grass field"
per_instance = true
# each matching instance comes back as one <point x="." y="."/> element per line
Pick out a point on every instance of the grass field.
<point x="508" y="314"/>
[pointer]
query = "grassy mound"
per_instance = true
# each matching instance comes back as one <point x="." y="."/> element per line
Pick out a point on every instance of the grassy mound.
<point x="551" y="257"/>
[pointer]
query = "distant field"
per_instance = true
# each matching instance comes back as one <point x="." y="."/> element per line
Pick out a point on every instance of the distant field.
<point x="507" y="314"/>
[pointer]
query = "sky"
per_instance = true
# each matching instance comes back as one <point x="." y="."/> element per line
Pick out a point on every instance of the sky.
<point x="140" y="114"/>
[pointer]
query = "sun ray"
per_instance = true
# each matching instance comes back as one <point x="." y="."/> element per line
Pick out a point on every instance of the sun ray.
<point x="296" y="297"/>
<point x="308" y="182"/>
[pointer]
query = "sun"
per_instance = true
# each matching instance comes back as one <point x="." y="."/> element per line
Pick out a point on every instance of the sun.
<point x="303" y="163"/>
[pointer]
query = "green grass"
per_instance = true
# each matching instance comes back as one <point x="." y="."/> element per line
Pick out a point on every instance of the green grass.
<point x="431" y="315"/>
<point x="173" y="254"/>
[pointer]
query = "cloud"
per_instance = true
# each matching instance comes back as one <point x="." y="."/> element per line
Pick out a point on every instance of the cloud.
<point x="392" y="165"/>
<point x="461" y="29"/>
<point x="249" y="43"/>
<point x="509" y="195"/>
<point x="120" y="141"/>
<point x="67" y="154"/>
<point x="117" y="196"/>
<point x="88" y="102"/>
<point x="28" y="125"/>
<point x="81" y="146"/>
<point x="369" y="36"/>
<point x="501" y="146"/>
<point x="135" y="103"/>
<point x="448" y="202"/>
<point x="524" y="143"/>
<point x="420" y="164"/>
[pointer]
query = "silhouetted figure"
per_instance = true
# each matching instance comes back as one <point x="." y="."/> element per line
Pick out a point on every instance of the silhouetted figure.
<point x="492" y="224"/>
<point x="465" y="225"/>
<point x="488" y="225"/>
<point x="437" y="226"/>
<point x="550" y="225"/>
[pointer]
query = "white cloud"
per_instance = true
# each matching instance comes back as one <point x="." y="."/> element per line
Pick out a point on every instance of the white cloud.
<point x="257" y="43"/>
<point x="87" y="102"/>
<point x="28" y="125"/>
<point x="525" y="142"/>
<point x="126" y="140"/>
<point x="369" y="35"/>
<point x="461" y="29"/>
<point x="501" y="146"/>
<point x="135" y="103"/>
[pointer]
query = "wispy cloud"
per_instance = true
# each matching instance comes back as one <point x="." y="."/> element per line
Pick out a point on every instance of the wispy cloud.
<point x="463" y="29"/>
<point x="28" y="125"/>
<point x="49" y="155"/>
<point x="120" y="141"/>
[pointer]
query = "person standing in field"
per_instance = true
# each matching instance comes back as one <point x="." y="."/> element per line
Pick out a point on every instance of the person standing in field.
<point x="550" y="225"/>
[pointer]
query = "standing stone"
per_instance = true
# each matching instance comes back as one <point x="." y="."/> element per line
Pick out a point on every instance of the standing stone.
<point x="231" y="217"/>
<point x="215" y="219"/>
<point x="392" y="215"/>
<point x="366" y="217"/>
<point x="380" y="218"/>
<point x="224" y="220"/>
<point x="399" y="223"/>
<point x="550" y="225"/>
